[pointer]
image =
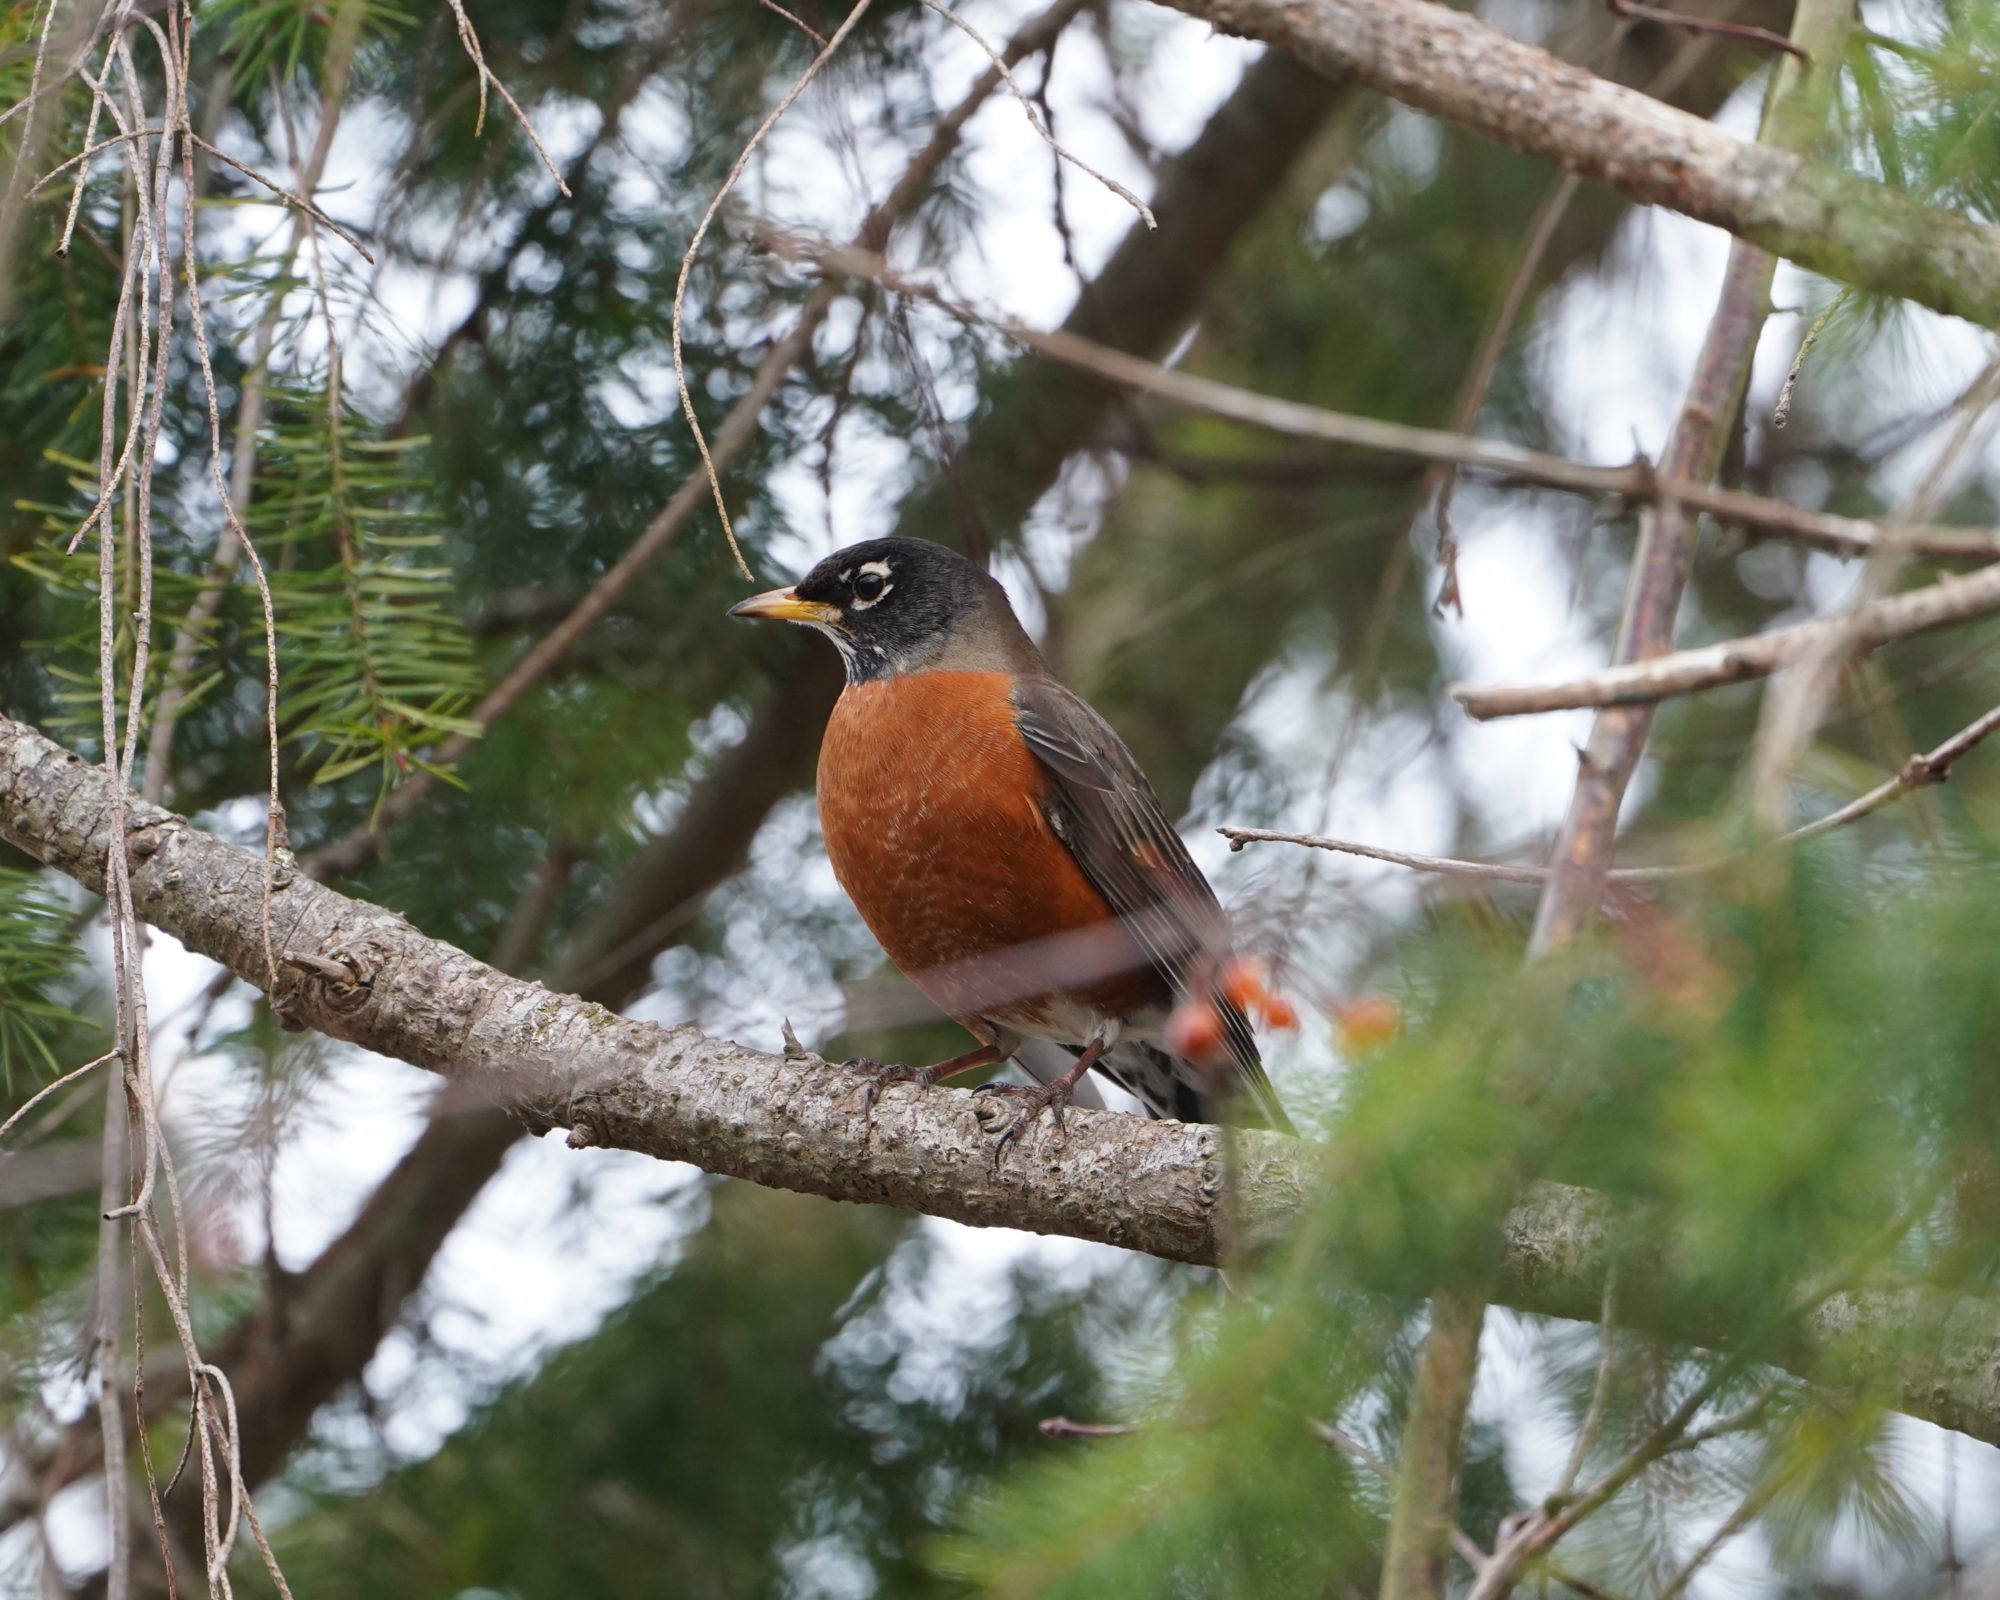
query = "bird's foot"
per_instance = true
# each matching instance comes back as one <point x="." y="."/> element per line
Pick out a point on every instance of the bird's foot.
<point x="880" y="1074"/>
<point x="1032" y="1102"/>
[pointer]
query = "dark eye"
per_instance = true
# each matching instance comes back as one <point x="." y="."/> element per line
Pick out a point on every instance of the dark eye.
<point x="869" y="586"/>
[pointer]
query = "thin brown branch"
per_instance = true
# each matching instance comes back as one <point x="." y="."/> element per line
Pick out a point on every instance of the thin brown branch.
<point x="296" y="201"/>
<point x="1450" y="64"/>
<point x="1424" y="1496"/>
<point x="1446" y="866"/>
<point x="1921" y="771"/>
<point x="1637" y="482"/>
<point x="1062" y="152"/>
<point x="1643" y="683"/>
<point x="1667" y="18"/>
<point x="798" y="22"/>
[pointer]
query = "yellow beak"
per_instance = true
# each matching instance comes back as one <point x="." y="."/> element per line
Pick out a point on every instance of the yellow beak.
<point x="784" y="605"/>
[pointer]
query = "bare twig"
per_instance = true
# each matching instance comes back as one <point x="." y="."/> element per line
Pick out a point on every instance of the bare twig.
<point x="1634" y="10"/>
<point x="470" y="40"/>
<point x="1781" y="412"/>
<point x="1642" y="683"/>
<point x="1483" y="871"/>
<point x="1034" y="119"/>
<point x="1636" y="482"/>
<point x="1919" y="772"/>
<point x="796" y="21"/>
<point x="297" y="201"/>
<point x="48" y="1089"/>
<point x="743" y="156"/>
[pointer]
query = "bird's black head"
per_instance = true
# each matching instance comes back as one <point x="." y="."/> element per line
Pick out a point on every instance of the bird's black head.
<point x="902" y="605"/>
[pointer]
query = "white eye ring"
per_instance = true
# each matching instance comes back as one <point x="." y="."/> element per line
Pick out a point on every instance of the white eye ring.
<point x="873" y="576"/>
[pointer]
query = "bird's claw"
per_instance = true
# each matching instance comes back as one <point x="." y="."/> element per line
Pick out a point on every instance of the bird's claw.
<point x="1052" y="1098"/>
<point x="880" y="1074"/>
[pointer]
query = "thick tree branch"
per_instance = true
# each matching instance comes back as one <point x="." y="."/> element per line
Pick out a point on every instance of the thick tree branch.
<point x="1156" y="1187"/>
<point x="1453" y="66"/>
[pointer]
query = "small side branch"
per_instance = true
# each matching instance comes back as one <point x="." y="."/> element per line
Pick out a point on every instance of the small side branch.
<point x="1637" y="482"/>
<point x="1938" y="605"/>
<point x="1921" y="771"/>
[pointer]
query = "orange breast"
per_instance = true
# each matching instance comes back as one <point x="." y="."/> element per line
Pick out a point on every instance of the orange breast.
<point x="931" y="806"/>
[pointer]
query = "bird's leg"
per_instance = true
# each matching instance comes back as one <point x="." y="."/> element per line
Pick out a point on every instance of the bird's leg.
<point x="882" y="1074"/>
<point x="1051" y="1097"/>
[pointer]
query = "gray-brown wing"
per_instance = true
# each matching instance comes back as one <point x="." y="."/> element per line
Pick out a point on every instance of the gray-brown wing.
<point x="1105" y="811"/>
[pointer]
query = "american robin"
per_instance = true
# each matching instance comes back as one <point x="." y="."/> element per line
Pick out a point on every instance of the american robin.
<point x="1000" y="841"/>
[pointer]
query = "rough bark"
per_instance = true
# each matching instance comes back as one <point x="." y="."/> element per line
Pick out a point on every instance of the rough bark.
<point x="357" y="972"/>
<point x="1451" y="65"/>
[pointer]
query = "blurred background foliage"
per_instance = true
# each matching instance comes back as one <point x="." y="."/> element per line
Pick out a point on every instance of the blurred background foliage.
<point x="1784" y="1076"/>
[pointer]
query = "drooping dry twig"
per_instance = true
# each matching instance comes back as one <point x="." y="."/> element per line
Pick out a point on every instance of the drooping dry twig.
<point x="297" y="201"/>
<point x="1638" y="482"/>
<point x="135" y="1152"/>
<point x="470" y="40"/>
<point x="743" y="156"/>
<point x="796" y="21"/>
<point x="50" y="1088"/>
<point x="1034" y="119"/>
